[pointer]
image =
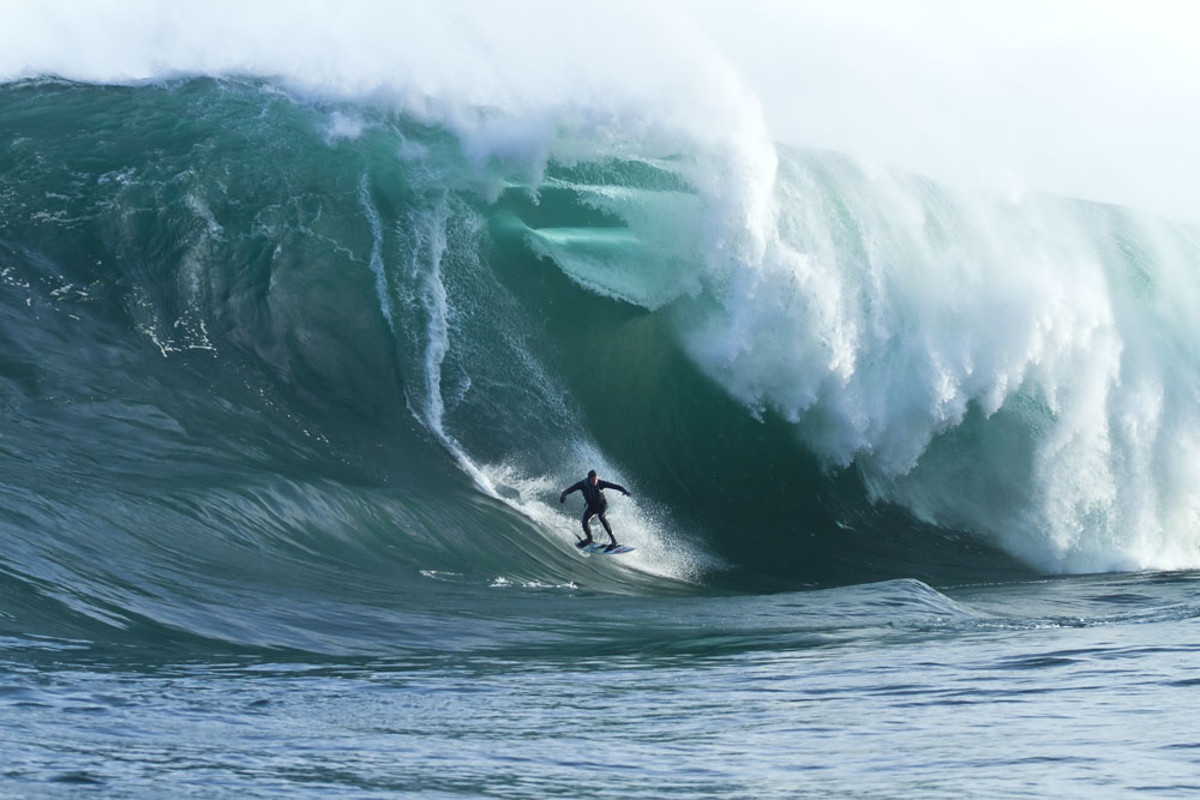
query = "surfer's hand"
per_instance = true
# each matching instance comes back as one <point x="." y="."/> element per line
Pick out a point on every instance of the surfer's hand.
<point x="562" y="498"/>
<point x="626" y="494"/>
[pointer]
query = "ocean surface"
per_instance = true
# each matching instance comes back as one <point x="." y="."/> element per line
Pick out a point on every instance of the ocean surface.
<point x="291" y="383"/>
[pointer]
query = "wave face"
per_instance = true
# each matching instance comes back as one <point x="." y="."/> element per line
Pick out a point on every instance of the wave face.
<point x="256" y="343"/>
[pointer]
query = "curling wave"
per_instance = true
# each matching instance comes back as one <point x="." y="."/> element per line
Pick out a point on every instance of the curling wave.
<point x="257" y="339"/>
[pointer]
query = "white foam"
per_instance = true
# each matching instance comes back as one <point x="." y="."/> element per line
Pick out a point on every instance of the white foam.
<point x="966" y="94"/>
<point x="375" y="261"/>
<point x="507" y="80"/>
<point x="661" y="550"/>
<point x="342" y="126"/>
<point x="883" y="310"/>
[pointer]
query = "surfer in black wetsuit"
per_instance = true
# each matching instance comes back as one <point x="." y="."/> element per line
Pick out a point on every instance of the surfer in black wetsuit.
<point x="593" y="493"/>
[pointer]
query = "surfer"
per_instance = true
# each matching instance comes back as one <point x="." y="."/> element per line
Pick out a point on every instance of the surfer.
<point x="593" y="494"/>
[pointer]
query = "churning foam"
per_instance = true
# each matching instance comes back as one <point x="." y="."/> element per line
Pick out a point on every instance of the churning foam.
<point x="885" y="310"/>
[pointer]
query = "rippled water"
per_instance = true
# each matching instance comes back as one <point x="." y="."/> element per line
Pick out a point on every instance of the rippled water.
<point x="1072" y="687"/>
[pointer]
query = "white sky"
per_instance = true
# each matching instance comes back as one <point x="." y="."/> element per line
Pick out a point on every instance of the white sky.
<point x="1093" y="98"/>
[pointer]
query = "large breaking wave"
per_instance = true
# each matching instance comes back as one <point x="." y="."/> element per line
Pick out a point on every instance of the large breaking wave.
<point x="257" y="334"/>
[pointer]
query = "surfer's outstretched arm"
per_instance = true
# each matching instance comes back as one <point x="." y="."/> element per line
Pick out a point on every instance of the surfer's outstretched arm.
<point x="619" y="488"/>
<point x="576" y="487"/>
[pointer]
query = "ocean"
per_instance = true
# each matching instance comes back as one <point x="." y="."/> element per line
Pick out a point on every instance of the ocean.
<point x="292" y="382"/>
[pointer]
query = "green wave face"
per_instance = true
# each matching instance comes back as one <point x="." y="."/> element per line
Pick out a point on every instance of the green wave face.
<point x="259" y="348"/>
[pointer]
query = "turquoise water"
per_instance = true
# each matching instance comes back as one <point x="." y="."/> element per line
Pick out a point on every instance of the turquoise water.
<point x="874" y="691"/>
<point x="291" y="385"/>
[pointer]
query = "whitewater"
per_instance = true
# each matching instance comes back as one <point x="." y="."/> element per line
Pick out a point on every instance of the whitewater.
<point x="308" y="315"/>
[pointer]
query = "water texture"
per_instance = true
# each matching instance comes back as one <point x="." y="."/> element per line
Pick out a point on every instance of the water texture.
<point x="291" y="384"/>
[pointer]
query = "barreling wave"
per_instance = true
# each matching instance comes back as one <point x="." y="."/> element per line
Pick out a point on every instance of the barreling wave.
<point x="258" y="345"/>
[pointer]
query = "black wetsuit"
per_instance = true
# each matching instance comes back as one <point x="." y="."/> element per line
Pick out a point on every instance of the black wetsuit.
<point x="593" y="495"/>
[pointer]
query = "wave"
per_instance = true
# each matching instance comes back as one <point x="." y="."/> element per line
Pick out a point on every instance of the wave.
<point x="274" y="340"/>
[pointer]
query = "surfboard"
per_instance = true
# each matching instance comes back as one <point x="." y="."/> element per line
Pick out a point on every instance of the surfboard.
<point x="601" y="549"/>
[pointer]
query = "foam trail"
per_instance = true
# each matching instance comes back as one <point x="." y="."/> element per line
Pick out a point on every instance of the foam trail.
<point x="376" y="257"/>
<point x="436" y="304"/>
<point x="426" y="289"/>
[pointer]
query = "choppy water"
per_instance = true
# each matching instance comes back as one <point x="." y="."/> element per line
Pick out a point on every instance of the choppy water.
<point x="1077" y="687"/>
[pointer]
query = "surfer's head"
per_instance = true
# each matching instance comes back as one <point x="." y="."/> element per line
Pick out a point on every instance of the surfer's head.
<point x="591" y="475"/>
